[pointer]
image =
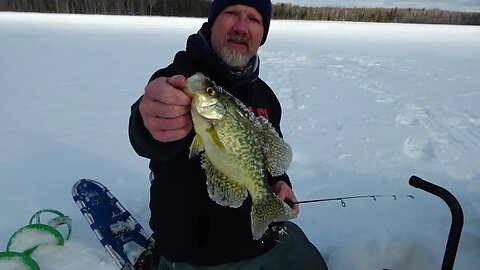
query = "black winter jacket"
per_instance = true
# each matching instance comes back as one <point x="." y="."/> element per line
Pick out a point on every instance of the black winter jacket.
<point x="188" y="225"/>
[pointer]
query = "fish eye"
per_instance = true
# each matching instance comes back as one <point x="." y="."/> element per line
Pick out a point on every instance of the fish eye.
<point x="210" y="91"/>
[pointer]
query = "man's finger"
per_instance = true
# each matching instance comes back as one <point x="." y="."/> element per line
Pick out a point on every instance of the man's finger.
<point x="171" y="135"/>
<point x="155" y="109"/>
<point x="154" y="124"/>
<point x="160" y="90"/>
<point x="177" y="81"/>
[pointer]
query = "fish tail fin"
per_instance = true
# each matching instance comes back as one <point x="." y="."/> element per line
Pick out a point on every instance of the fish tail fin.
<point x="270" y="209"/>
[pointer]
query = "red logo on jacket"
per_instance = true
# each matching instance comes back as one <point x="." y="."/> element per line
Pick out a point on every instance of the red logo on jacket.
<point x="259" y="112"/>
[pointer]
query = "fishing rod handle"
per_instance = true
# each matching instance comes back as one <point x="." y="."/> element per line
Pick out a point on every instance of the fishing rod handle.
<point x="457" y="217"/>
<point x="441" y="192"/>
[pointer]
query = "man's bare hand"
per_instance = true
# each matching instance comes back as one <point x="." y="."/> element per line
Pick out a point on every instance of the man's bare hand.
<point x="283" y="191"/>
<point x="165" y="109"/>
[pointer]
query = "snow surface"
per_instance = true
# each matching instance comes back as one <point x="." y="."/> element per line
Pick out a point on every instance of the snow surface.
<point x="365" y="106"/>
<point x="14" y="263"/>
<point x="30" y="237"/>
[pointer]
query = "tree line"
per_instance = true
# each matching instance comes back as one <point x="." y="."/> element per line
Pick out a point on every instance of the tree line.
<point x="199" y="8"/>
<point x="386" y="15"/>
<point x="184" y="8"/>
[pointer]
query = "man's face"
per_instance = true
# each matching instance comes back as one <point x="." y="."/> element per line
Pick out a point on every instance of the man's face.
<point x="236" y="34"/>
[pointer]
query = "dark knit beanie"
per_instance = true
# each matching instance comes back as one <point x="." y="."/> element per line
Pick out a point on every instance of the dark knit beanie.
<point x="264" y="7"/>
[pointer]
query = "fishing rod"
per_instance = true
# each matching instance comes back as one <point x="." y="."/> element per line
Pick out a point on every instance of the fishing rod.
<point x="454" y="206"/>
<point x="343" y="199"/>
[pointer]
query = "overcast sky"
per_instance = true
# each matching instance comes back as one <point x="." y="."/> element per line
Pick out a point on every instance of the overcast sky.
<point x="468" y="5"/>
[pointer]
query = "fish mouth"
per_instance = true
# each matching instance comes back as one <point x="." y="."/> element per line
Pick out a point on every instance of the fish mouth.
<point x="206" y="112"/>
<point x="195" y="84"/>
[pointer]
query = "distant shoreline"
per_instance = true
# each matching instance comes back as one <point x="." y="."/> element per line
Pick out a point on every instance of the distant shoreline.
<point x="199" y="8"/>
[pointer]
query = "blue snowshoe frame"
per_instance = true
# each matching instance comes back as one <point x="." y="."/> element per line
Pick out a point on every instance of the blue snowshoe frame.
<point x="102" y="210"/>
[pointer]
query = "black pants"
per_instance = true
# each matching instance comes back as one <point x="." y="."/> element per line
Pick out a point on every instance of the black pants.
<point x="292" y="251"/>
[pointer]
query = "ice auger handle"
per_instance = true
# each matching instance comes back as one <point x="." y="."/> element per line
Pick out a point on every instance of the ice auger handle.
<point x="457" y="218"/>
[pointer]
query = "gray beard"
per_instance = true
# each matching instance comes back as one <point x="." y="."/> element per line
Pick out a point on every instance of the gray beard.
<point x="234" y="59"/>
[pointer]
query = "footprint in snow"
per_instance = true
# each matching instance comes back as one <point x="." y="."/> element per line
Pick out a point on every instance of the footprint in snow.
<point x="418" y="147"/>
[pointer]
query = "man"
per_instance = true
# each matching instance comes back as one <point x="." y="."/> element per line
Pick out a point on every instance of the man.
<point x="192" y="231"/>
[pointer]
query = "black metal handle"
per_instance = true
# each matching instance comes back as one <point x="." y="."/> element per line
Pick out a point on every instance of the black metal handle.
<point x="457" y="218"/>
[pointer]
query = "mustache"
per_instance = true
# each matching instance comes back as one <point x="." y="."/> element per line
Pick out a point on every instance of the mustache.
<point x="238" y="38"/>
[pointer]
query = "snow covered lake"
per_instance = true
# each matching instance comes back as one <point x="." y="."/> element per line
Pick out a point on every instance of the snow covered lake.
<point x="365" y="106"/>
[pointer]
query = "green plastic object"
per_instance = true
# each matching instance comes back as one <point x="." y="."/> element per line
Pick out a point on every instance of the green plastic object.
<point x="43" y="228"/>
<point x="29" y="262"/>
<point x="56" y="222"/>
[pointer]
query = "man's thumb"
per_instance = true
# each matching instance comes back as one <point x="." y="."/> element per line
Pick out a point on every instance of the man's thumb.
<point x="177" y="81"/>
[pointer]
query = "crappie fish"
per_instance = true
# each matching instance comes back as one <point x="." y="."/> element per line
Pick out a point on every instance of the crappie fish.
<point x="238" y="150"/>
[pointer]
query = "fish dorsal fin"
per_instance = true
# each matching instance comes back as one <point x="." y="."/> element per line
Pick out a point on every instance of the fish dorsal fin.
<point x="196" y="146"/>
<point x="221" y="189"/>
<point x="278" y="154"/>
